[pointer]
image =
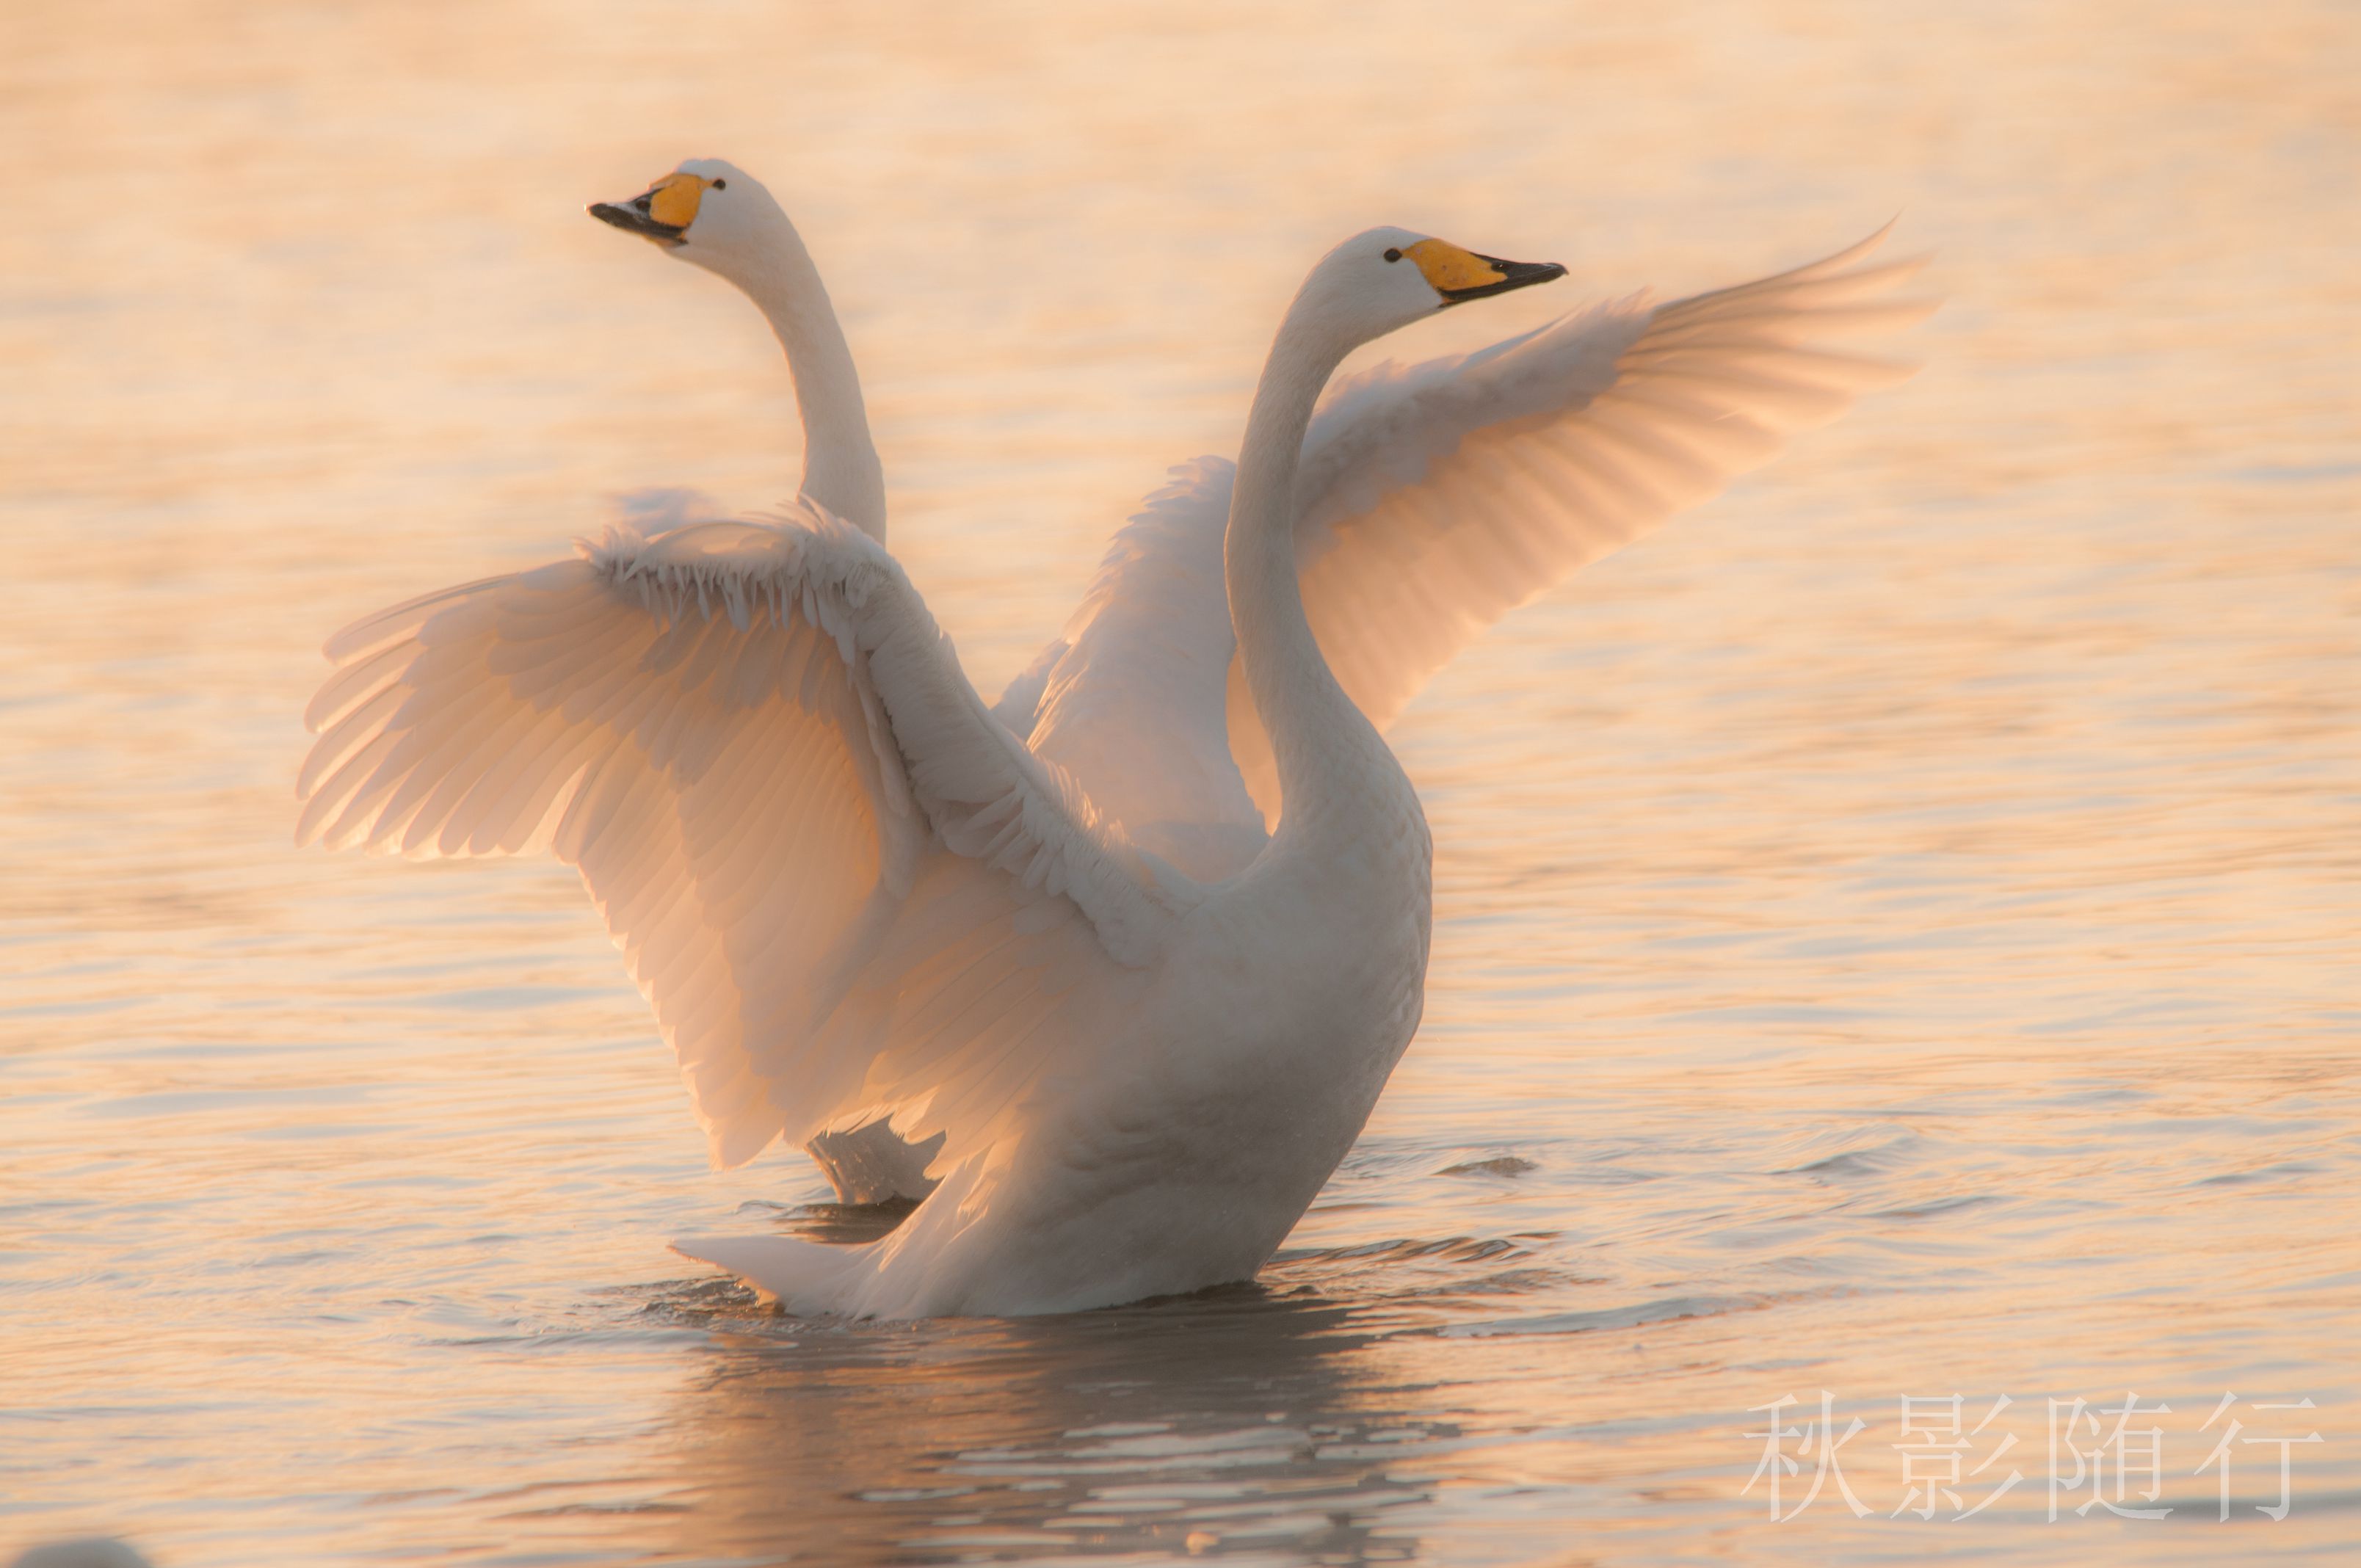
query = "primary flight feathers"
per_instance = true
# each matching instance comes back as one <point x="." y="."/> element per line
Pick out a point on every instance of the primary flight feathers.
<point x="759" y="750"/>
<point x="1433" y="499"/>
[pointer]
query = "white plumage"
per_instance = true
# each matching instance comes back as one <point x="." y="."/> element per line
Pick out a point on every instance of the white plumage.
<point x="699" y="721"/>
<point x="1129" y="999"/>
<point x="1433" y="499"/>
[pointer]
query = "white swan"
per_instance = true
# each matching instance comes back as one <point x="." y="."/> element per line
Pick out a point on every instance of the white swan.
<point x="847" y="888"/>
<point x="742" y="234"/>
<point x="1431" y="500"/>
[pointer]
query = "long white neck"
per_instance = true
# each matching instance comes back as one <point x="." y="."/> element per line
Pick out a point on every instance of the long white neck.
<point x="1332" y="765"/>
<point x="840" y="468"/>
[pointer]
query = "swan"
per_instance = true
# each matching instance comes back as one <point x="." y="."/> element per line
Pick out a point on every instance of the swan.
<point x="743" y="236"/>
<point x="845" y="885"/>
<point x="1430" y="500"/>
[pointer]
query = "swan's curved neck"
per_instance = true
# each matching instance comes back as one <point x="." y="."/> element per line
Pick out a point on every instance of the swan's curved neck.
<point x="840" y="468"/>
<point x="1328" y="753"/>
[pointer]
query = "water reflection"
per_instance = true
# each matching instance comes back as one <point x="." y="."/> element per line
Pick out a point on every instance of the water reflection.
<point x="1235" y="1419"/>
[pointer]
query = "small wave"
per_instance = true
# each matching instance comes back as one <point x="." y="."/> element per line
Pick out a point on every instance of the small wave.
<point x="701" y="1303"/>
<point x="1672" y="1309"/>
<point x="1938" y="1207"/>
<point x="1506" y="1165"/>
<point x="1891" y="1152"/>
<point x="2284" y="1170"/>
<point x="1452" y="1249"/>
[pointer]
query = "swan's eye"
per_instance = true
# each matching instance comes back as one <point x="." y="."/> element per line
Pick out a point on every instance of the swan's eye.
<point x="1392" y="255"/>
<point x="721" y="184"/>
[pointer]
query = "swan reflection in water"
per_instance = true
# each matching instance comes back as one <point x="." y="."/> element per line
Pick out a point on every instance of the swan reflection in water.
<point x="1250" y="1417"/>
<point x="1350" y="1406"/>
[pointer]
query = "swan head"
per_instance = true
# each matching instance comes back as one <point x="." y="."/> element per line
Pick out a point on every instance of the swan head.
<point x="707" y="211"/>
<point x="1388" y="278"/>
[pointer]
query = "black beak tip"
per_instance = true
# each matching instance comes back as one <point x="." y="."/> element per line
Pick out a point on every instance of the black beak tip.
<point x="633" y="218"/>
<point x="1520" y="274"/>
<point x="1513" y="275"/>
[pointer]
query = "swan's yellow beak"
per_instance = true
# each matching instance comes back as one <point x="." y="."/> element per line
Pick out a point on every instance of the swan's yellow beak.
<point x="663" y="215"/>
<point x="1462" y="275"/>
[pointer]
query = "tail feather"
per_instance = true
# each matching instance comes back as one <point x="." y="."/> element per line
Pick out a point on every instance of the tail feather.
<point x="810" y="1278"/>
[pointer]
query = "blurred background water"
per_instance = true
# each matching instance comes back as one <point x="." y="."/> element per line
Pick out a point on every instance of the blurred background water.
<point x="1896" y="928"/>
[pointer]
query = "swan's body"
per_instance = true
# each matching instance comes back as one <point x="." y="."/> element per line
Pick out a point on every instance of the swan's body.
<point x="848" y="889"/>
<point x="1430" y="500"/>
<point x="1128" y="1024"/>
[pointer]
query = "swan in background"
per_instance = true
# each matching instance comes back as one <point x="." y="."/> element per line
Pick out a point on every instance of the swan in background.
<point x="848" y="888"/>
<point x="743" y="235"/>
<point x="1431" y="500"/>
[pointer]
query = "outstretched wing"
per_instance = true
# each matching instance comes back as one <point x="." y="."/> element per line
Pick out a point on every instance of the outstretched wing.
<point x="1132" y="697"/>
<point x="843" y="887"/>
<point x="1433" y="499"/>
<point x="1436" y="498"/>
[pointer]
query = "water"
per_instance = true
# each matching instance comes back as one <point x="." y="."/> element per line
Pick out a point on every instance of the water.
<point x="1895" y="928"/>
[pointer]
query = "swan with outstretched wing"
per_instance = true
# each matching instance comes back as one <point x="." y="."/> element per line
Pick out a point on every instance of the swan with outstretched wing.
<point x="934" y="941"/>
<point x="1430" y="500"/>
<point x="849" y="891"/>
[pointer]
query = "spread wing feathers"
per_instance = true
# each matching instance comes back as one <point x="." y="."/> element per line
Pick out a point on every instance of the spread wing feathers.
<point x="844" y="887"/>
<point x="1435" y="498"/>
<point x="1131" y="696"/>
<point x="1432" y="501"/>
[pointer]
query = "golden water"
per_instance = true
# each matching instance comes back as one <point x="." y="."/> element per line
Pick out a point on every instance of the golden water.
<point x="1898" y="930"/>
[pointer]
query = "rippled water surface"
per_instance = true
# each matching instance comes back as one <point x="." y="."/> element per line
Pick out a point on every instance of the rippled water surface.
<point x="1897" y="929"/>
